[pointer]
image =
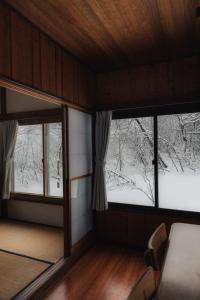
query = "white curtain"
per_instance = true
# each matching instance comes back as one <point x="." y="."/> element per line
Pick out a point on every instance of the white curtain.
<point x="102" y="131"/>
<point x="8" y="134"/>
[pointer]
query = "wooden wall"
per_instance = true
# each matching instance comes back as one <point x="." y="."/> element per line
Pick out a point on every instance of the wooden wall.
<point x="29" y="57"/>
<point x="156" y="84"/>
<point x="134" y="226"/>
<point x="159" y="84"/>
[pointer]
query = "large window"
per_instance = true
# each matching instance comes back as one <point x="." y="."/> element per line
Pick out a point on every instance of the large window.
<point x="38" y="160"/>
<point x="155" y="161"/>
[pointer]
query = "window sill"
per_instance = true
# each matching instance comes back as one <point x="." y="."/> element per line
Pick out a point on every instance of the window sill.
<point x="36" y="198"/>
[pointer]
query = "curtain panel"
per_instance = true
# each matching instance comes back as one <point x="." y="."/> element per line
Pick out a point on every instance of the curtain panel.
<point x="102" y="131"/>
<point x="8" y="135"/>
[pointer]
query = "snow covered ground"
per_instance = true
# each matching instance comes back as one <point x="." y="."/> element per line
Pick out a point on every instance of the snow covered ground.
<point x="176" y="191"/>
<point x="128" y="196"/>
<point x="33" y="187"/>
<point x="180" y="191"/>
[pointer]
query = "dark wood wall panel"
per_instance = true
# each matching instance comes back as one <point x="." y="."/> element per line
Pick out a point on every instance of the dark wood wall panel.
<point x="68" y="77"/>
<point x="48" y="65"/>
<point x="83" y="85"/>
<point x="134" y="227"/>
<point x="58" y="71"/>
<point x="21" y="47"/>
<point x="37" y="83"/>
<point x="30" y="57"/>
<point x="158" y="84"/>
<point x="5" y="64"/>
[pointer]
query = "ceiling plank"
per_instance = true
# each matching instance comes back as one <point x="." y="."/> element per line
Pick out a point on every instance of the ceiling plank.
<point x="118" y="33"/>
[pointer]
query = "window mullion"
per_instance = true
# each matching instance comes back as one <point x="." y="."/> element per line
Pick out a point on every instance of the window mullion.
<point x="156" y="160"/>
<point x="45" y="162"/>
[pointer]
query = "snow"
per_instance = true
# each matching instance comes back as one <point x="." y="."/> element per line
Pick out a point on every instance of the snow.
<point x="54" y="190"/>
<point x="130" y="194"/>
<point x="176" y="191"/>
<point x="28" y="160"/>
<point x="179" y="191"/>
<point x="128" y="197"/>
<point x="31" y="187"/>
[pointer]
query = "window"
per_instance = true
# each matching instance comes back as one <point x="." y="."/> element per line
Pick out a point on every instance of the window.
<point x="38" y="160"/>
<point x="55" y="166"/>
<point x="129" y="169"/>
<point x="155" y="161"/>
<point x="179" y="146"/>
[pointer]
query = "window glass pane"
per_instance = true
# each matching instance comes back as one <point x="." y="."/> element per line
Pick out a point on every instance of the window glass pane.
<point x="55" y="164"/>
<point x="28" y="166"/>
<point x="179" y="173"/>
<point x="129" y="169"/>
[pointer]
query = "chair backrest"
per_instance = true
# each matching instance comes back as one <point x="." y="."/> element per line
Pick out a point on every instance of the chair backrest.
<point x="145" y="287"/>
<point x="157" y="245"/>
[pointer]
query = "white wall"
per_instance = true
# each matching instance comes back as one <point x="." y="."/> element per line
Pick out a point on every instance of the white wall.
<point x="82" y="217"/>
<point x="80" y="160"/>
<point x="80" y="143"/>
<point x="17" y="102"/>
<point x="36" y="212"/>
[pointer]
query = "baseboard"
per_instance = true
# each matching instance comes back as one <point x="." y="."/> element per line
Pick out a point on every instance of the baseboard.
<point x="47" y="280"/>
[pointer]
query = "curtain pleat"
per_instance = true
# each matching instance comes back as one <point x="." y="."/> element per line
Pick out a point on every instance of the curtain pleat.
<point x="102" y="131"/>
<point x="8" y="134"/>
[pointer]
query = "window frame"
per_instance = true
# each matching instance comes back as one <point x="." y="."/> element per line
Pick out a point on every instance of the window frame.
<point x="40" y="198"/>
<point x="154" y="112"/>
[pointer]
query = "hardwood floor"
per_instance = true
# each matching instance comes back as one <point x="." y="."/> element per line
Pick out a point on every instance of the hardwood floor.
<point x="103" y="273"/>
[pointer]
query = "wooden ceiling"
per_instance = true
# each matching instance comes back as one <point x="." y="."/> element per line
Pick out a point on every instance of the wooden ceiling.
<point x="110" y="34"/>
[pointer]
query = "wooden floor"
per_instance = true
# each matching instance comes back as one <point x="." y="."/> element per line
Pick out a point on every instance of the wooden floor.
<point x="104" y="273"/>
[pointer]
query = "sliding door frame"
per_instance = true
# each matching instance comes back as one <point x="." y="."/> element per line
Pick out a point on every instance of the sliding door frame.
<point x="66" y="184"/>
<point x="71" y="254"/>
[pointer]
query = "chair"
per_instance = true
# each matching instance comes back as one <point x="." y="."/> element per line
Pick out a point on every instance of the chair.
<point x="145" y="287"/>
<point x="157" y="245"/>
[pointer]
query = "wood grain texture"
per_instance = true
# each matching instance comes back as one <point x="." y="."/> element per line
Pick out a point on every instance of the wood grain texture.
<point x="105" y="272"/>
<point x="58" y="71"/>
<point x="37" y="83"/>
<point x="68" y="76"/>
<point x="63" y="266"/>
<point x="5" y="63"/>
<point x="21" y="39"/>
<point x="30" y="57"/>
<point x="135" y="226"/>
<point x="158" y="84"/>
<point x="48" y="65"/>
<point x="3" y="106"/>
<point x="111" y="34"/>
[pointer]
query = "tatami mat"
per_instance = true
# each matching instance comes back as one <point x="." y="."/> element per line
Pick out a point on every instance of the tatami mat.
<point x="16" y="272"/>
<point x="37" y="241"/>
